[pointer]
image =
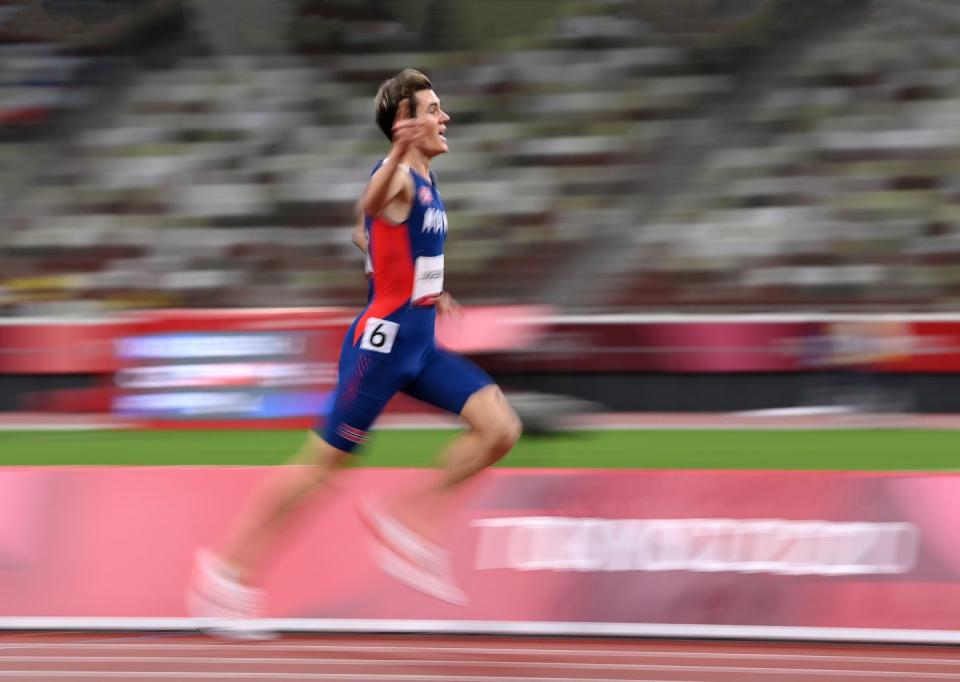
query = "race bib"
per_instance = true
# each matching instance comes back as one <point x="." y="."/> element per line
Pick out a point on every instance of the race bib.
<point x="378" y="335"/>
<point x="427" y="278"/>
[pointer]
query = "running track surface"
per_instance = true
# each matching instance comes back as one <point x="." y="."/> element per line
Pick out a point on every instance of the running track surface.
<point x="146" y="657"/>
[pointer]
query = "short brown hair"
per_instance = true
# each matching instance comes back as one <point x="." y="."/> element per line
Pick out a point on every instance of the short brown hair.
<point x="393" y="91"/>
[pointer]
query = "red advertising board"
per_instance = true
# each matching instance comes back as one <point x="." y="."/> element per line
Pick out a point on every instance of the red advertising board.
<point x="223" y="368"/>
<point x="513" y="338"/>
<point x="61" y="347"/>
<point x="551" y="547"/>
<point x="739" y="343"/>
<point x="250" y="368"/>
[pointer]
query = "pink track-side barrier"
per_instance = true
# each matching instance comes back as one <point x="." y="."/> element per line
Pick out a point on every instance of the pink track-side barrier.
<point x="794" y="549"/>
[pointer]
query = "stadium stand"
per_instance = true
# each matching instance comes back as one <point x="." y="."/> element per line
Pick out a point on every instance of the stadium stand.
<point x="219" y="179"/>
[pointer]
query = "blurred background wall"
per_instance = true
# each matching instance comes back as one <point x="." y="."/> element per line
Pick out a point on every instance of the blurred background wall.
<point x="719" y="155"/>
<point x="607" y="156"/>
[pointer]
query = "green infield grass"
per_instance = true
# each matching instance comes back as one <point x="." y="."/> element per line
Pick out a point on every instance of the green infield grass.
<point x="851" y="449"/>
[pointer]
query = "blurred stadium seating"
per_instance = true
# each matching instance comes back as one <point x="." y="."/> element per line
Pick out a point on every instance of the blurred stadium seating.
<point x="836" y="187"/>
<point x="598" y="160"/>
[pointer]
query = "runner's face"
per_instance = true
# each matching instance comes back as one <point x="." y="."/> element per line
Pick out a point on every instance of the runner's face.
<point x="434" y="141"/>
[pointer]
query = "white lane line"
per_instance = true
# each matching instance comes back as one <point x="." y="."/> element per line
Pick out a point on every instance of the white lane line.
<point x="650" y="667"/>
<point x="340" y="626"/>
<point x="524" y="651"/>
<point x="100" y="674"/>
<point x="374" y="662"/>
<point x="247" y="660"/>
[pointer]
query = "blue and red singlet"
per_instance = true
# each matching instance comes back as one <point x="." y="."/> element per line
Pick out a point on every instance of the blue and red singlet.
<point x="391" y="346"/>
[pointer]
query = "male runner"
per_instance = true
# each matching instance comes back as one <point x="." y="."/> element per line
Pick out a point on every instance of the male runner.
<point x="389" y="348"/>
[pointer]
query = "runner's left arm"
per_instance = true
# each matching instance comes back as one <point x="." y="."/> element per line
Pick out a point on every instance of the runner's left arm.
<point x="359" y="234"/>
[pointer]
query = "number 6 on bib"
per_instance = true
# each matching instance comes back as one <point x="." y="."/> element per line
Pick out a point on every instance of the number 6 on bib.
<point x="378" y="335"/>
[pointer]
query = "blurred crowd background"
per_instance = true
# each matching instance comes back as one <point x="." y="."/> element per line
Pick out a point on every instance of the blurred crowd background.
<point x="606" y="155"/>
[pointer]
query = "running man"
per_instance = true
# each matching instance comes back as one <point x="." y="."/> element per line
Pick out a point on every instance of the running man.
<point x="389" y="348"/>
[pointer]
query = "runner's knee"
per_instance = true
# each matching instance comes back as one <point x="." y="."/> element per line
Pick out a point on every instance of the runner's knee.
<point x="503" y="433"/>
<point x="494" y="420"/>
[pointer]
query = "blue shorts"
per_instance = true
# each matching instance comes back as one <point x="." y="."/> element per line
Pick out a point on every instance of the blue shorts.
<point x="414" y="365"/>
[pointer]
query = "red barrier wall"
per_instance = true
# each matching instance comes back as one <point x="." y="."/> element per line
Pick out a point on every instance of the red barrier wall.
<point x="597" y="343"/>
<point x="554" y="546"/>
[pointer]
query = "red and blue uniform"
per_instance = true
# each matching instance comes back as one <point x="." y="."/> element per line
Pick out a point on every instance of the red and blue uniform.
<point x="391" y="346"/>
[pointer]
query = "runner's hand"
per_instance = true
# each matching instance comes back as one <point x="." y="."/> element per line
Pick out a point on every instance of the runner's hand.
<point x="406" y="131"/>
<point x="447" y="305"/>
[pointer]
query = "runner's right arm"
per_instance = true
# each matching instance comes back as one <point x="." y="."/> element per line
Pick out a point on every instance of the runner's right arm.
<point x="387" y="184"/>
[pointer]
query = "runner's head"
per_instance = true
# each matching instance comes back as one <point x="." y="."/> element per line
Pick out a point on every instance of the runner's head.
<point x="416" y="88"/>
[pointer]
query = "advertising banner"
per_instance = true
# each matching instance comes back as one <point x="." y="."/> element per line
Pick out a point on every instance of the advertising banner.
<point x="739" y="343"/>
<point x="61" y="347"/>
<point x="503" y="338"/>
<point x="244" y="368"/>
<point x="219" y="367"/>
<point x="563" y="549"/>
